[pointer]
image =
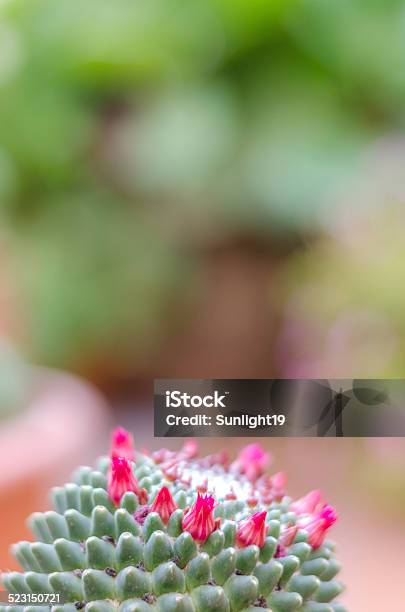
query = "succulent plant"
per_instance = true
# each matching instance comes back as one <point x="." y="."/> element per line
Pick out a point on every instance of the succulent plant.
<point x="172" y="532"/>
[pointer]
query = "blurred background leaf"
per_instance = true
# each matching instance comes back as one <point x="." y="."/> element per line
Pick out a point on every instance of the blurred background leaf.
<point x="153" y="153"/>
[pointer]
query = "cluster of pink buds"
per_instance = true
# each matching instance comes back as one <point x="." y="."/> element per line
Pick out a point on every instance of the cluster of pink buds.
<point x="172" y="463"/>
<point x="221" y="458"/>
<point x="167" y="457"/>
<point x="271" y="488"/>
<point x="313" y="515"/>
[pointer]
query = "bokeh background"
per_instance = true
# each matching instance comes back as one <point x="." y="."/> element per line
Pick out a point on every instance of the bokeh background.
<point x="199" y="189"/>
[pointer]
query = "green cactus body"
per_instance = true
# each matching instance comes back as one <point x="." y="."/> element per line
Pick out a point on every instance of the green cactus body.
<point x="100" y="556"/>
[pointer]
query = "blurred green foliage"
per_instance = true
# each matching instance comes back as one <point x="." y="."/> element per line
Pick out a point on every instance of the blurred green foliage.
<point x="344" y="297"/>
<point x="129" y="129"/>
<point x="15" y="381"/>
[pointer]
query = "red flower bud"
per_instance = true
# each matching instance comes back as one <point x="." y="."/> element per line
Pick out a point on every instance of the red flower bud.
<point x="252" y="530"/>
<point x="164" y="504"/>
<point x="199" y="520"/>
<point x="121" y="480"/>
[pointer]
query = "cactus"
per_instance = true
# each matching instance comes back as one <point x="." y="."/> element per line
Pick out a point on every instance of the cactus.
<point x="172" y="532"/>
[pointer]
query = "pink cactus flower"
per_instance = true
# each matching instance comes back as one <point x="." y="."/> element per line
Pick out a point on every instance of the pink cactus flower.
<point x="216" y="459"/>
<point x="190" y="449"/>
<point x="329" y="514"/>
<point x="172" y="473"/>
<point x="199" y="520"/>
<point x="122" y="444"/>
<point x="121" y="480"/>
<point x="288" y="535"/>
<point x="319" y="525"/>
<point x="308" y="503"/>
<point x="279" y="481"/>
<point x="252" y="461"/>
<point x="252" y="530"/>
<point x="164" y="504"/>
<point x="278" y="485"/>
